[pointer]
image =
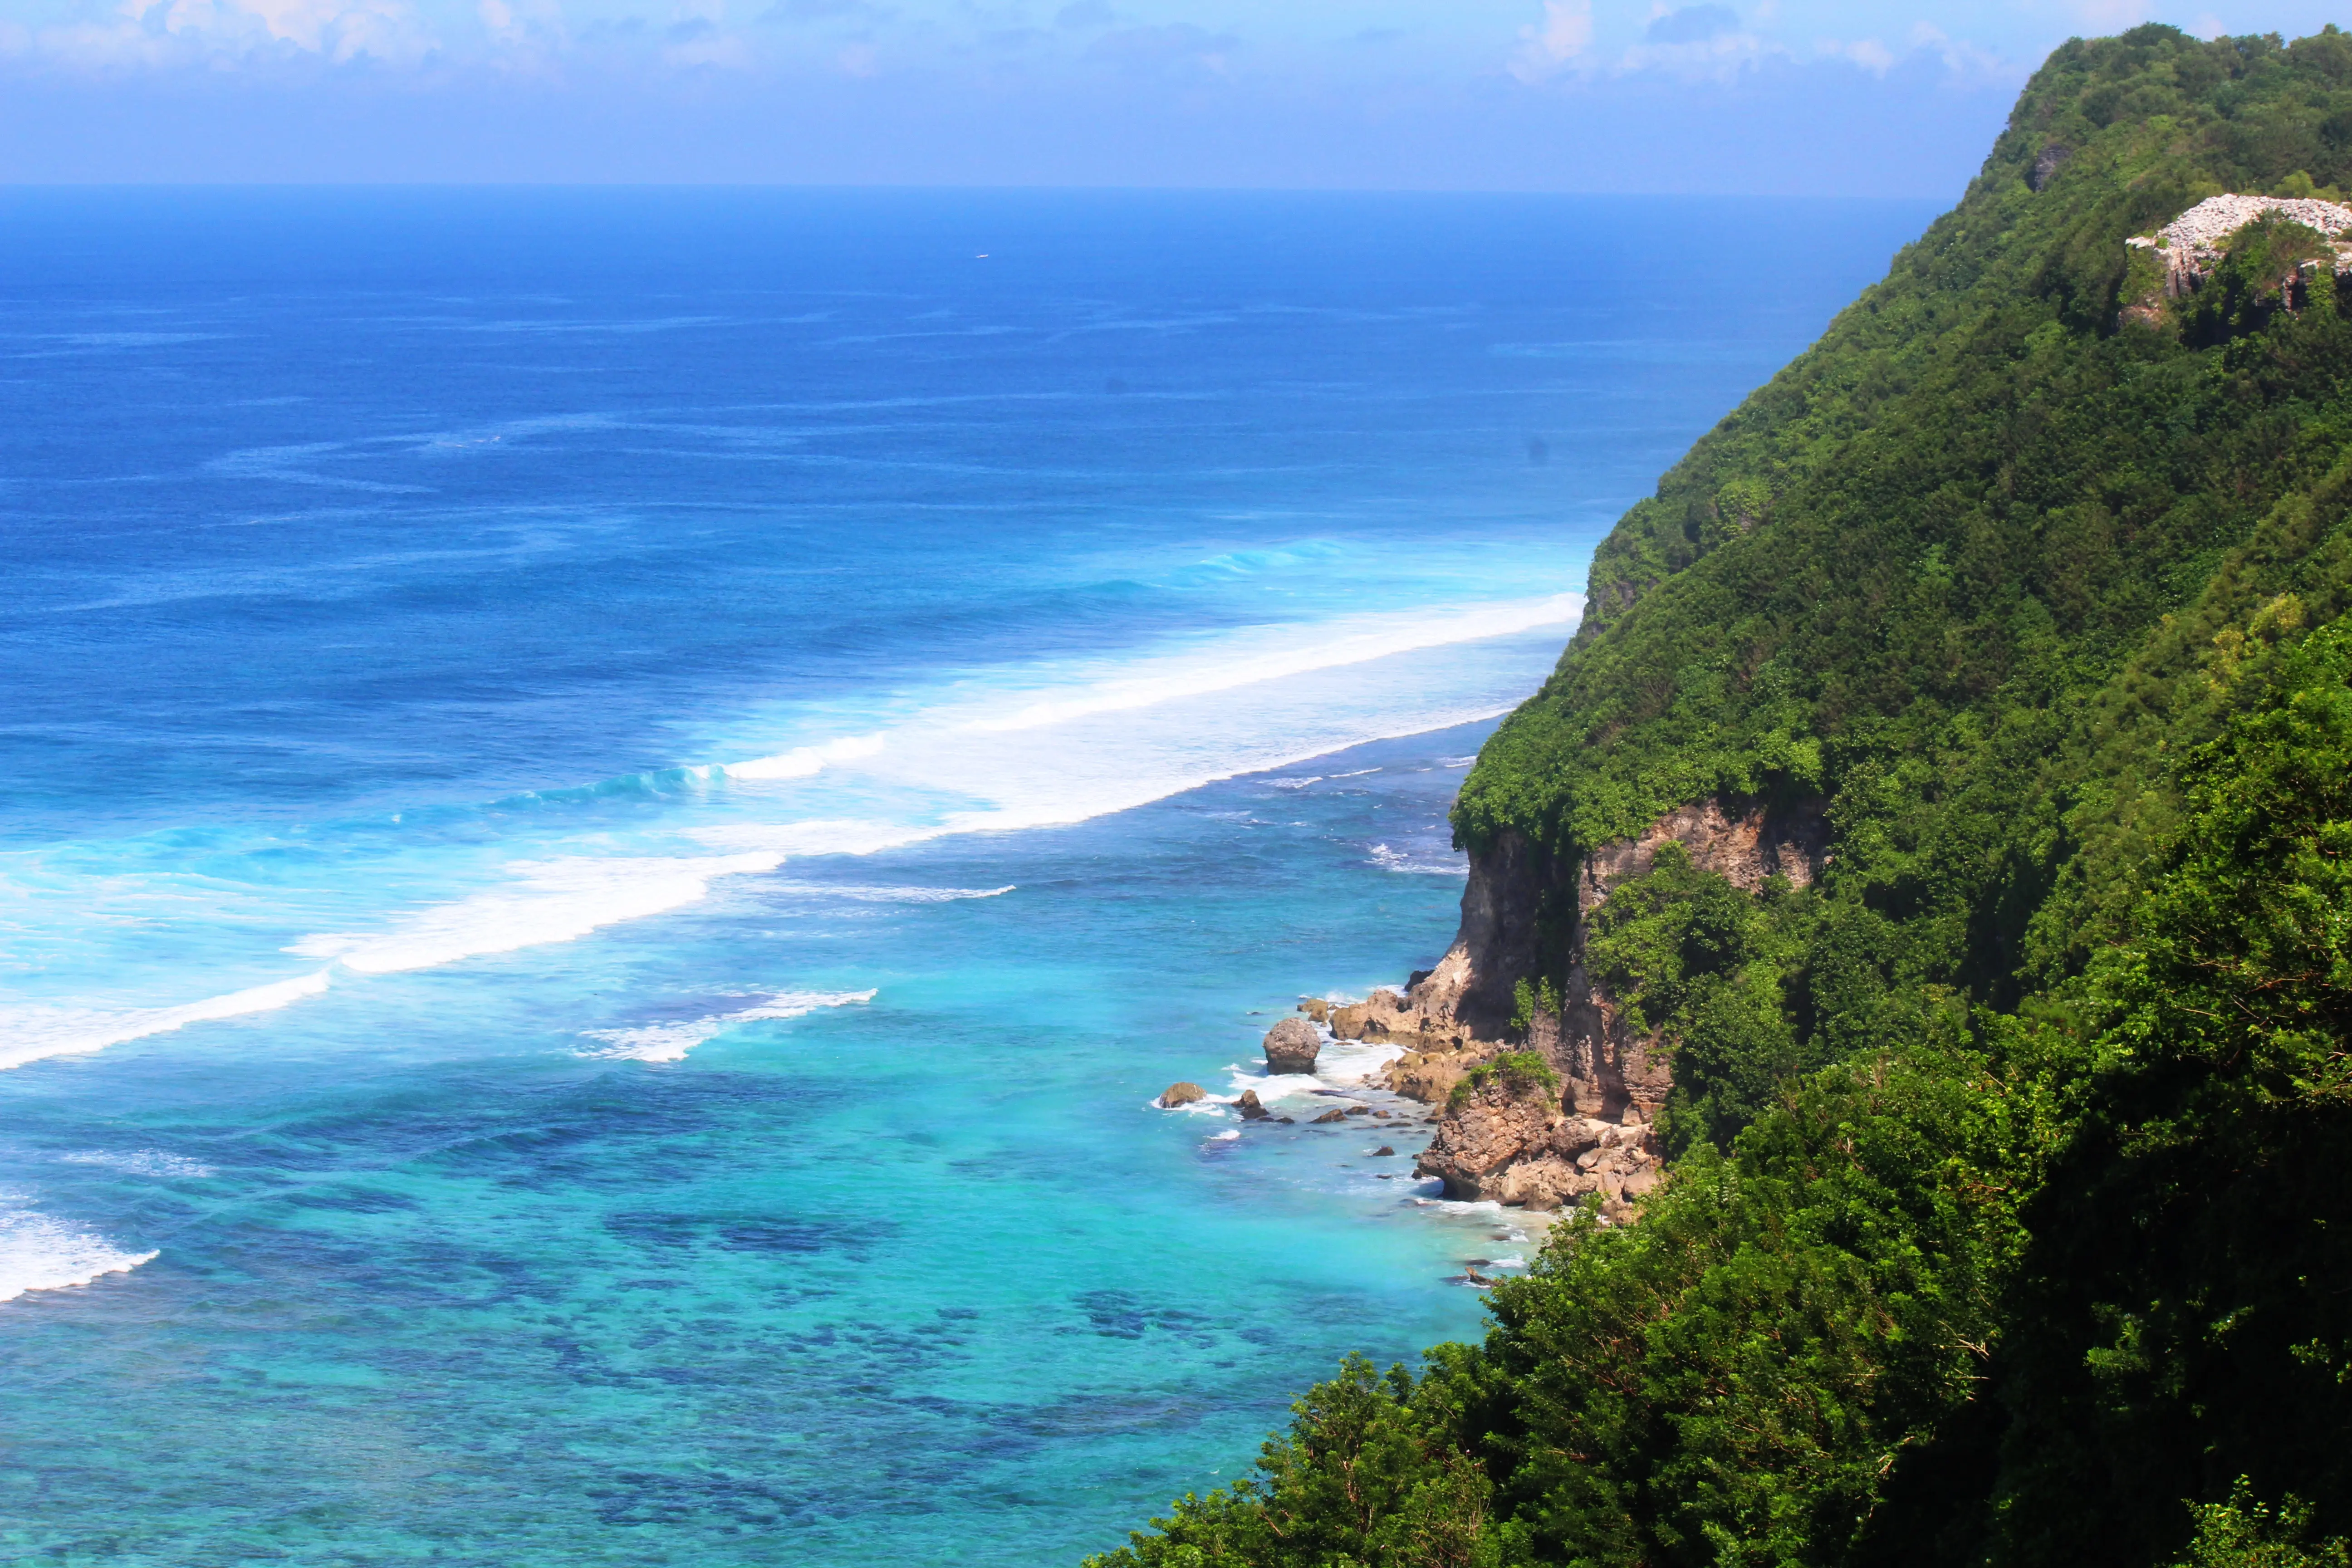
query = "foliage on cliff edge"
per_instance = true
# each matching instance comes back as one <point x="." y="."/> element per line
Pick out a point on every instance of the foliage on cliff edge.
<point x="2027" y="1291"/>
<point x="2015" y="1221"/>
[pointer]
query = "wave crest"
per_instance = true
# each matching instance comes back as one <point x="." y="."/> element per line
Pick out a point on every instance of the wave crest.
<point x="670" y="1042"/>
<point x="38" y="1252"/>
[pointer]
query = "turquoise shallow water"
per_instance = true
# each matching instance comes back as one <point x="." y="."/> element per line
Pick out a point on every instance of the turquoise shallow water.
<point x="618" y="803"/>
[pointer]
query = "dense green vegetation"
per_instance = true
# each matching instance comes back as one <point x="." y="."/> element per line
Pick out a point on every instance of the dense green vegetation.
<point x="1523" y="1072"/>
<point x="2011" y="1215"/>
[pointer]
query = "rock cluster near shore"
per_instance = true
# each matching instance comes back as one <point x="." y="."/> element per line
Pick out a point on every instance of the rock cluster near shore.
<point x="1502" y="1139"/>
<point x="1517" y="1145"/>
<point x="1505" y="1138"/>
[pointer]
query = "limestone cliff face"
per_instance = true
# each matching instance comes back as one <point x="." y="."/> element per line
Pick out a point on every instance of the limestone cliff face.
<point x="1525" y="914"/>
<point x="1511" y="884"/>
<point x="1609" y="1068"/>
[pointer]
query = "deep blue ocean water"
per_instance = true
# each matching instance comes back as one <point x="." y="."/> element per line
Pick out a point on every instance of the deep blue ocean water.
<point x="616" y="803"/>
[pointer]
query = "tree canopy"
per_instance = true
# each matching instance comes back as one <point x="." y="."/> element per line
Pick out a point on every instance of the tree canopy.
<point x="2010" y="1220"/>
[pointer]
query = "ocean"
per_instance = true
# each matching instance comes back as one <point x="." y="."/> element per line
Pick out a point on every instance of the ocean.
<point x="618" y="802"/>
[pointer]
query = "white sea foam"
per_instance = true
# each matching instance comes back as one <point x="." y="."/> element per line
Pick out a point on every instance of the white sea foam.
<point x="1098" y="764"/>
<point x="1273" y="1086"/>
<point x="670" y="1042"/>
<point x="1389" y="860"/>
<point x="998" y="753"/>
<point x="887" y="895"/>
<point x="1252" y="658"/>
<point x="1346" y="1064"/>
<point x="143" y="1162"/>
<point x="1340" y="1064"/>
<point x="41" y="1253"/>
<point x="552" y="900"/>
<point x="31" y="1032"/>
<point x="802" y="761"/>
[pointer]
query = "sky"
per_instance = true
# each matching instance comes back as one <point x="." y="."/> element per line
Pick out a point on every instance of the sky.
<point x="1899" y="98"/>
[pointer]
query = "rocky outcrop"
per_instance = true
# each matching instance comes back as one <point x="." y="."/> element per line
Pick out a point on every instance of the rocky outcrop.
<point x="1391" y="1018"/>
<point x="1292" y="1046"/>
<point x="1430" y="1077"/>
<point x="1177" y="1094"/>
<point x="1525" y="914"/>
<point x="2053" y="157"/>
<point x="1515" y="1144"/>
<point x="1250" y="1106"/>
<point x="1492" y="1128"/>
<point x="1510" y="883"/>
<point x="1610" y="1069"/>
<point x="1745" y="847"/>
<point x="1617" y="1176"/>
<point x="2191" y="246"/>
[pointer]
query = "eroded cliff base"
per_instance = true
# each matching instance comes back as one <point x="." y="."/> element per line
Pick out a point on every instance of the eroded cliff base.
<point x="1516" y="981"/>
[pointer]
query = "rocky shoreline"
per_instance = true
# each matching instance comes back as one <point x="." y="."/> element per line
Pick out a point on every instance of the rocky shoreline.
<point x="1517" y="1138"/>
<point x="1547" y="1106"/>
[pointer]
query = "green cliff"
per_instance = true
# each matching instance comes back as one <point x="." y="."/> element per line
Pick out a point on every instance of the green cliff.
<point x="2009" y="1216"/>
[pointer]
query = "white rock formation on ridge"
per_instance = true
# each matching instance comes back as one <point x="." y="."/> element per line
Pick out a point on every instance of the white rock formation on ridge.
<point x="2191" y="244"/>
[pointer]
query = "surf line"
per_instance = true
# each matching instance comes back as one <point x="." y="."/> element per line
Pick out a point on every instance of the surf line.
<point x="563" y="900"/>
<point x="554" y="902"/>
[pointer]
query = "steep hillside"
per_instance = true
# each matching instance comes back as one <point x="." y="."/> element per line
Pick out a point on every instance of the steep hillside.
<point x="1935" y="842"/>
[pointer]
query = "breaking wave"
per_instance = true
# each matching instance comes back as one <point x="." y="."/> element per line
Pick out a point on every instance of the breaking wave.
<point x="670" y="1042"/>
<point x="552" y="900"/>
<point x="1001" y="751"/>
<point x="41" y="1253"/>
<point x="31" y="1032"/>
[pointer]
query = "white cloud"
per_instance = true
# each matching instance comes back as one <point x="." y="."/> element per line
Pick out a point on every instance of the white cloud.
<point x="340" y="30"/>
<point x="164" y="33"/>
<point x="1709" y="41"/>
<point x="1870" y="55"/>
<point x="523" y="29"/>
<point x="1566" y="33"/>
<point x="1967" y="61"/>
<point x="1718" y="58"/>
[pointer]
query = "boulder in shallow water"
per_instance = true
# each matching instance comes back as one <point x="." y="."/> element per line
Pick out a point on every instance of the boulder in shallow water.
<point x="1329" y="1116"/>
<point x="1292" y="1046"/>
<point x="1177" y="1094"/>
<point x="1250" y="1108"/>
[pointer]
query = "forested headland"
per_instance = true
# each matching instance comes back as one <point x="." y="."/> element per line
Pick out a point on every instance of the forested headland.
<point x="2009" y="1218"/>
